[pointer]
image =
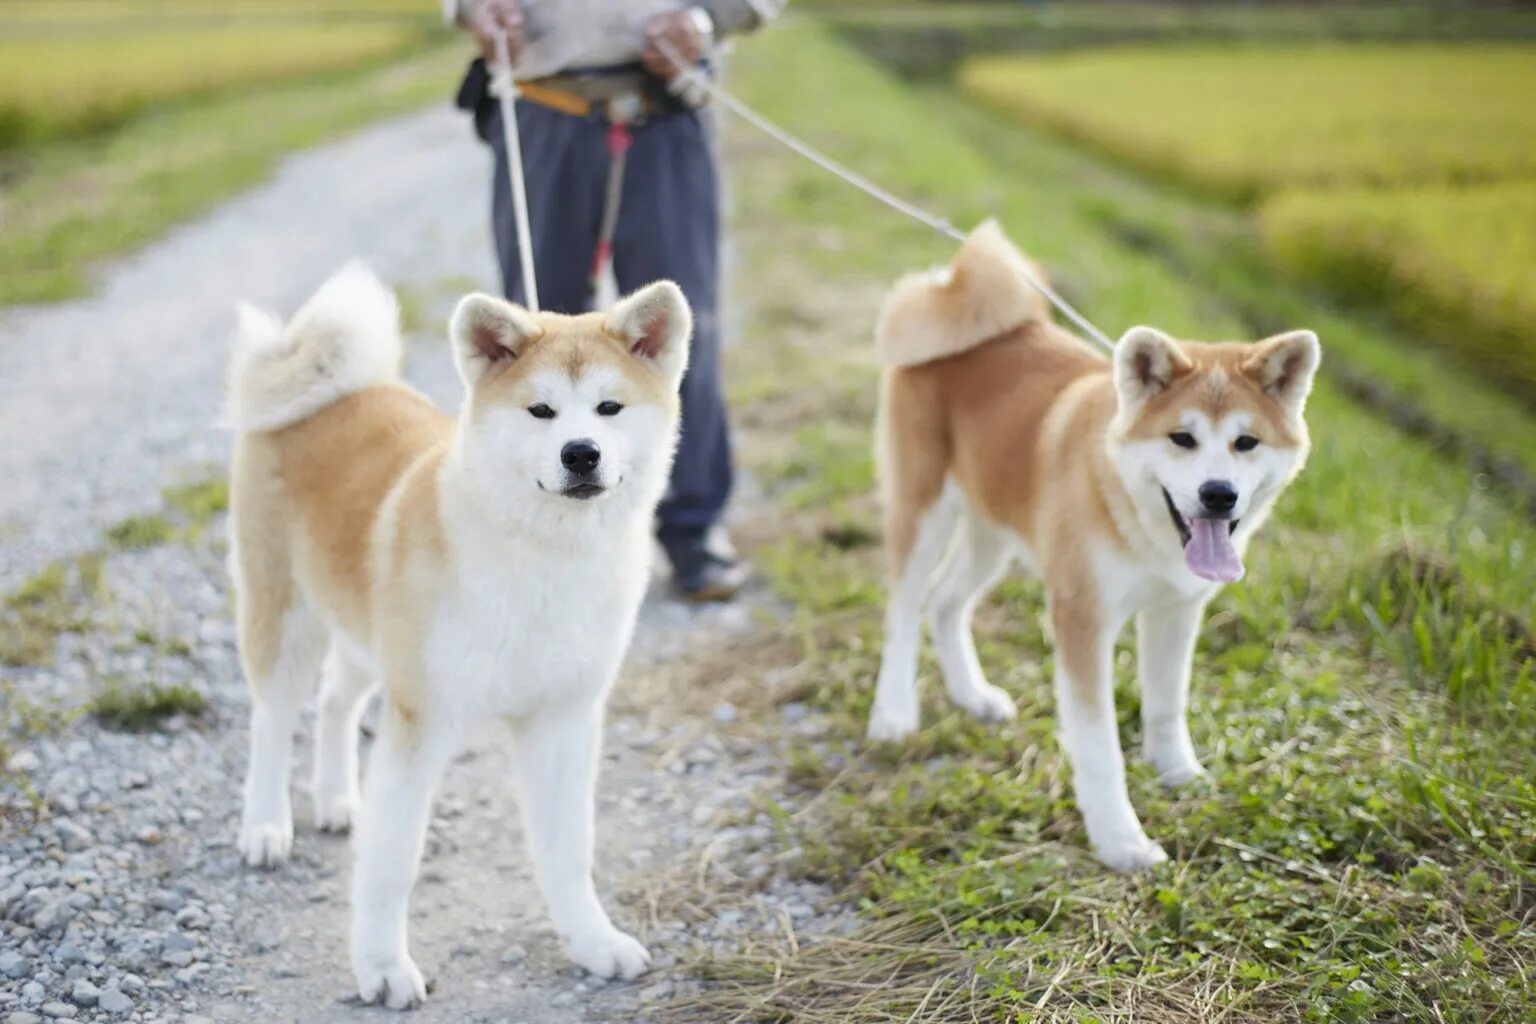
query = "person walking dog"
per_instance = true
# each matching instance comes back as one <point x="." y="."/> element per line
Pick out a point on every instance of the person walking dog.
<point x="620" y="172"/>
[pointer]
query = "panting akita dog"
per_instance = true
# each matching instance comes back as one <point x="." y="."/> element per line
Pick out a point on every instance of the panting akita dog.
<point x="1131" y="485"/>
<point x="484" y="567"/>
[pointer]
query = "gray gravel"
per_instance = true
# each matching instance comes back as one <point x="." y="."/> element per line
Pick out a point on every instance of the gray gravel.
<point x="125" y="899"/>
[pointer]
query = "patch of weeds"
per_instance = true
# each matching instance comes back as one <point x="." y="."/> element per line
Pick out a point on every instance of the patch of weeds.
<point x="46" y="606"/>
<point x="138" y="532"/>
<point x="139" y="708"/>
<point x="199" y="503"/>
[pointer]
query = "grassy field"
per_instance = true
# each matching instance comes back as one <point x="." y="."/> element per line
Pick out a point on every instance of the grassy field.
<point x="78" y="201"/>
<point x="1398" y="175"/>
<point x="1460" y="261"/>
<point x="67" y="84"/>
<point x="1366" y="849"/>
<point x="1244" y="121"/>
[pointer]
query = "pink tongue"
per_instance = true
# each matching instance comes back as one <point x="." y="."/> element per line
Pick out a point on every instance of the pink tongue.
<point x="1209" y="553"/>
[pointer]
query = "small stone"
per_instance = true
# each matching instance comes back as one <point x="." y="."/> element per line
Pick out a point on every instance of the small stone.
<point x="23" y="1017"/>
<point x="68" y="952"/>
<point x="74" y="837"/>
<point x="175" y="943"/>
<point x="84" y="993"/>
<point x="114" y="1001"/>
<point x="514" y="955"/>
<point x="24" y="761"/>
<point x="167" y="899"/>
<point x="192" y="918"/>
<point x="131" y="983"/>
<point x="58" y="1010"/>
<point x="177" y="958"/>
<point x="33" y="992"/>
<point x="13" y="964"/>
<point x="724" y="713"/>
<point x="149" y="835"/>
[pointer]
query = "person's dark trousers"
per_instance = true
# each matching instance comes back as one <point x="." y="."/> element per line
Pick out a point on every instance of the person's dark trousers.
<point x="668" y="227"/>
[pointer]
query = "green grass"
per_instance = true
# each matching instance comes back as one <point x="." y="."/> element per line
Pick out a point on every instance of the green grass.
<point x="145" y="531"/>
<point x="1244" y="121"/>
<point x="45" y="607"/>
<point x="69" y="84"/>
<point x="136" y="708"/>
<point x="71" y="203"/>
<point x="1367" y="845"/>
<point x="1459" y="263"/>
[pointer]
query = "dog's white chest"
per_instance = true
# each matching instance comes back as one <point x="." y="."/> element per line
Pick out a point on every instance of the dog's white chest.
<point x="543" y="630"/>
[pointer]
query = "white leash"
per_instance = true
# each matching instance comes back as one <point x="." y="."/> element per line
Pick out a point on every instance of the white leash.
<point x="694" y="77"/>
<point x="505" y="88"/>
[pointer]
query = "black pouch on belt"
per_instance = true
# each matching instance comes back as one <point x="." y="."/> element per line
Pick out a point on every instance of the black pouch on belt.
<point x="475" y="97"/>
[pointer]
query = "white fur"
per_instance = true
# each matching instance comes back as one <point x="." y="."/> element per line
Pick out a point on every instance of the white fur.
<point x="958" y="555"/>
<point x="343" y="340"/>
<point x="546" y="590"/>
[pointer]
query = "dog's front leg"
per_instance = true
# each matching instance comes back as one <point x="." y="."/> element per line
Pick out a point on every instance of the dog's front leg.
<point x="1085" y="711"/>
<point x="556" y="753"/>
<point x="403" y="772"/>
<point x="1165" y="647"/>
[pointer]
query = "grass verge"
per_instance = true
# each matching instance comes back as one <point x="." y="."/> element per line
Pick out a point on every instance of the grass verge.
<point x="1365" y="848"/>
<point x="69" y="204"/>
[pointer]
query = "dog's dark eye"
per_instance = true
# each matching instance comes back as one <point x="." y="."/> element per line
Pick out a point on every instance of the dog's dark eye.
<point x="1182" y="438"/>
<point x="608" y="408"/>
<point x="1246" y="443"/>
<point x="541" y="412"/>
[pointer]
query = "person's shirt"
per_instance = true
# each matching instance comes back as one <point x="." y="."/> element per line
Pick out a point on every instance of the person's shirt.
<point x="559" y="35"/>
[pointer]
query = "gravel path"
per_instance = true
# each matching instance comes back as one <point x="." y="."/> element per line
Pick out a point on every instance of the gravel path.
<point x="126" y="900"/>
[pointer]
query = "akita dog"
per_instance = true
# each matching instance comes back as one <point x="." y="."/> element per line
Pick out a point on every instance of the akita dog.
<point x="489" y="567"/>
<point x="1131" y="485"/>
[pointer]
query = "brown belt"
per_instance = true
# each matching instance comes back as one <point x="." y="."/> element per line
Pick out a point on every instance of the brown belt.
<point x="570" y="99"/>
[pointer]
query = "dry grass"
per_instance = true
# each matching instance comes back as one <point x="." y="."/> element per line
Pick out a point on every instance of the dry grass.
<point x="1459" y="263"/>
<point x="1243" y="121"/>
<point x="66" y="84"/>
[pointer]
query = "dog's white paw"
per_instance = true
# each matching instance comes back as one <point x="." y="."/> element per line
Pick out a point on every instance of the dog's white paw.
<point x="1174" y="774"/>
<point x="886" y="726"/>
<point x="610" y="954"/>
<point x="395" y="983"/>
<point x="989" y="704"/>
<point x="1132" y="855"/>
<point x="335" y="812"/>
<point x="265" y="844"/>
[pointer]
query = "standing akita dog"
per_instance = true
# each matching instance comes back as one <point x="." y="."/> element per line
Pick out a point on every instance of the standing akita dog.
<point x="1131" y="485"/>
<point x="486" y="567"/>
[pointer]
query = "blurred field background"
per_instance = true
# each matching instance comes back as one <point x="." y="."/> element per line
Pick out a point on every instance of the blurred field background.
<point x="1365" y="700"/>
<point x="1367" y="848"/>
<point x="119" y="118"/>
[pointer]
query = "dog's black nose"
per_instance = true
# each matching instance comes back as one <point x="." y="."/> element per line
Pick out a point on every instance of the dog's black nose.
<point x="1218" y="497"/>
<point x="580" y="457"/>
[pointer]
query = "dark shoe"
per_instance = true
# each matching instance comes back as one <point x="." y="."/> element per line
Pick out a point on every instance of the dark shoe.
<point x="710" y="578"/>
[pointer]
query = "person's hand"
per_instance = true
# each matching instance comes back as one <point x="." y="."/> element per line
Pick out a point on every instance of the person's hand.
<point x="680" y="32"/>
<point x="494" y="18"/>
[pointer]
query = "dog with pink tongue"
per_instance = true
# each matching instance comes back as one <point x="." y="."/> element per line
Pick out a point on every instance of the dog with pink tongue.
<point x="1131" y="484"/>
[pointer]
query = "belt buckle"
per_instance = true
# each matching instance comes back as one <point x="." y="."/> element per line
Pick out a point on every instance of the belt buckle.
<point x="626" y="108"/>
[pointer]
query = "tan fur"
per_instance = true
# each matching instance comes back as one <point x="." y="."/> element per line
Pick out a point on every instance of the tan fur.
<point x="981" y="295"/>
<point x="1017" y="417"/>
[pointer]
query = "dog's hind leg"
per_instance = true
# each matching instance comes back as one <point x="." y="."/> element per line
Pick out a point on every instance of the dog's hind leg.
<point x="344" y="689"/>
<point x="556" y="753"/>
<point x="981" y="557"/>
<point x="282" y="654"/>
<point x="895" y="712"/>
<point x="404" y="768"/>
<point x="1165" y="647"/>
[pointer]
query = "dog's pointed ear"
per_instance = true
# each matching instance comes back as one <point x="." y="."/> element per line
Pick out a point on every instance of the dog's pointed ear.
<point x="487" y="332"/>
<point x="1284" y="367"/>
<point x="656" y="323"/>
<point x="1147" y="362"/>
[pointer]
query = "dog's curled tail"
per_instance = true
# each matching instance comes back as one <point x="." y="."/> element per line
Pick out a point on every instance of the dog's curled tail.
<point x="346" y="338"/>
<point x="945" y="311"/>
